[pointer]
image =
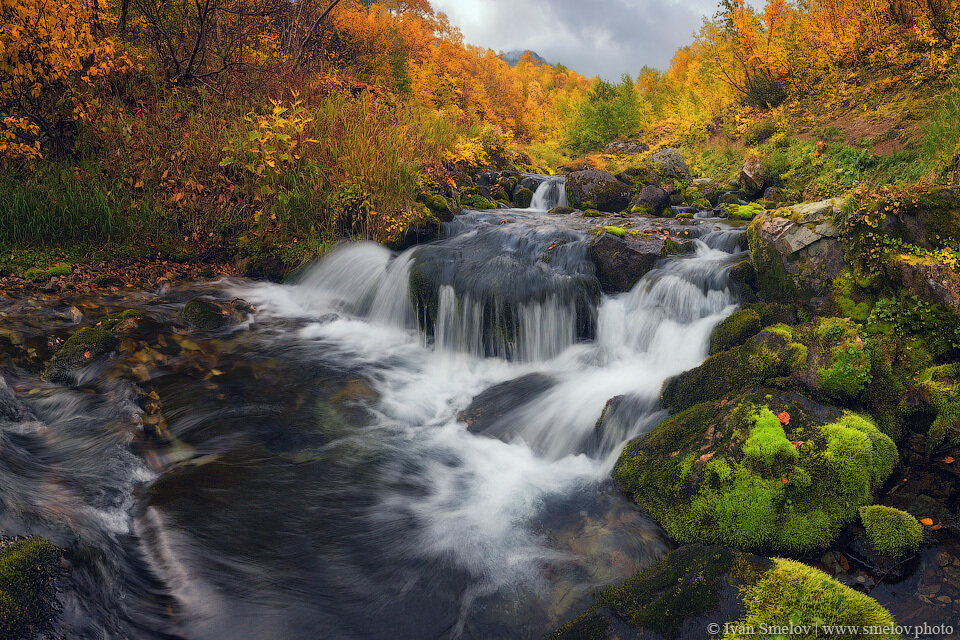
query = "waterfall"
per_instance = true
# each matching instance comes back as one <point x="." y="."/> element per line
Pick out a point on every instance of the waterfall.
<point x="551" y="193"/>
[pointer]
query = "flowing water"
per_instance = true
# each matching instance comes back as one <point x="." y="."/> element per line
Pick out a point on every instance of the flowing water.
<point x="309" y="474"/>
<point x="551" y="193"/>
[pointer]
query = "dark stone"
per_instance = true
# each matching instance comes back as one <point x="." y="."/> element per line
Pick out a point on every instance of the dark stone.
<point x="592" y="189"/>
<point x="654" y="199"/>
<point x="523" y="198"/>
<point x="262" y="267"/>
<point x="486" y="410"/>
<point x="753" y="177"/>
<point x="622" y="261"/>
<point x="626" y="146"/>
<point x="426" y="231"/>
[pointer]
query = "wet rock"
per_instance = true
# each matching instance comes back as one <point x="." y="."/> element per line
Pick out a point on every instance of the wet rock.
<point x="523" y="198"/>
<point x="593" y="189"/>
<point x="622" y="260"/>
<point x="486" y="410"/>
<point x="10" y="407"/>
<point x="425" y="231"/>
<point x="695" y="591"/>
<point x="764" y="469"/>
<point x="262" y="267"/>
<point x="29" y="571"/>
<point x="86" y="346"/>
<point x="796" y="253"/>
<point x="620" y="147"/>
<point x="209" y="314"/>
<point x="669" y="163"/>
<point x="652" y="200"/>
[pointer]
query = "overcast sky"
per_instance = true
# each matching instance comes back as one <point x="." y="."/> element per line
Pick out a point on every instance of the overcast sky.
<point x="594" y="37"/>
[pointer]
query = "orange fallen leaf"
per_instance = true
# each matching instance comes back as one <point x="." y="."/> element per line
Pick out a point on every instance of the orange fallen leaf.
<point x="926" y="521"/>
<point x="783" y="480"/>
<point x="552" y="247"/>
<point x="784" y="417"/>
<point x="796" y="443"/>
<point x="949" y="460"/>
<point x="86" y="354"/>
<point x="936" y="527"/>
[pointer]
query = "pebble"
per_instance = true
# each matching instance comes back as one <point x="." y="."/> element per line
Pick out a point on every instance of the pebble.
<point x="944" y="599"/>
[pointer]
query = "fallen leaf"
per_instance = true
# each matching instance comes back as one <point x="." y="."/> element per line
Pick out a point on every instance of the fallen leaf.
<point x="949" y="460"/>
<point x="796" y="443"/>
<point x="844" y="563"/>
<point x="86" y="354"/>
<point x="926" y="521"/>
<point x="784" y="417"/>
<point x="784" y="480"/>
<point x="936" y="527"/>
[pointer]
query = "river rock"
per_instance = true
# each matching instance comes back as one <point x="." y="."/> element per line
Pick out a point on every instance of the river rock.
<point x="86" y="346"/>
<point x="761" y="469"/>
<point x="653" y="200"/>
<point x="670" y="164"/>
<point x="753" y="176"/>
<point x="593" y="189"/>
<point x="797" y="253"/>
<point x="424" y="231"/>
<point x="10" y="407"/>
<point x="622" y="261"/>
<point x="620" y="147"/>
<point x="486" y="410"/>
<point x="696" y="591"/>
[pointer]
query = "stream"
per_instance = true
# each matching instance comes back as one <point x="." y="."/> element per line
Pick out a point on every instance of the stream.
<point x="389" y="446"/>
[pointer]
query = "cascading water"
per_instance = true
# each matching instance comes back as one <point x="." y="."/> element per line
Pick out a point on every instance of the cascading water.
<point x="397" y="446"/>
<point x="552" y="192"/>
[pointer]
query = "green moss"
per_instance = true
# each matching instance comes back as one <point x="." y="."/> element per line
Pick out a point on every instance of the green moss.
<point x="735" y="330"/>
<point x="892" y="532"/>
<point x="732" y="473"/>
<point x="37" y="274"/>
<point x="850" y="369"/>
<point x="28" y="569"/>
<point x="478" y="202"/>
<point x="774" y="284"/>
<point x="524" y="198"/>
<point x="592" y="213"/>
<point x="615" y="231"/>
<point x="684" y="584"/>
<point x="120" y="320"/>
<point x="794" y="592"/>
<point x="82" y="348"/>
<point x="561" y="211"/>
<point x="939" y="388"/>
<point x="202" y="314"/>
<point x="435" y="202"/>
<point x="744" y="212"/>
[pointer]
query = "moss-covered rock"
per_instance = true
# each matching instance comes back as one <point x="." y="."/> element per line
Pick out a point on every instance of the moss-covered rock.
<point x="39" y="274"/>
<point x="592" y="213"/>
<point x="28" y="573"/>
<point x="769" y="354"/>
<point x="792" y="592"/>
<point x="592" y="189"/>
<point x="436" y="203"/>
<point x="761" y="470"/>
<point x="524" y="198"/>
<point x="562" y="211"/>
<point x="623" y="256"/>
<point x="892" y="532"/>
<point x="938" y="392"/>
<point x="745" y="211"/>
<point x="796" y="253"/>
<point x="478" y="202"/>
<point x="695" y="585"/>
<point x="81" y="349"/>
<point x="827" y="358"/>
<point x="202" y="314"/>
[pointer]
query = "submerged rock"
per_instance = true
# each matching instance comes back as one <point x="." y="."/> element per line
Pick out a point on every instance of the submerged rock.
<point x="766" y="469"/>
<point x="593" y="189"/>
<point x="88" y="345"/>
<point x="697" y="592"/>
<point x="486" y="410"/>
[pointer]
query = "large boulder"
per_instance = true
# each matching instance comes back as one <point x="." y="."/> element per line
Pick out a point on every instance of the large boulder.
<point x="652" y="200"/>
<point x="754" y="177"/>
<point x="623" y="258"/>
<point x="669" y="163"/>
<point x="593" y="189"/>
<point x="620" y="147"/>
<point x="797" y="253"/>
<point x="696" y="592"/>
<point x="764" y="469"/>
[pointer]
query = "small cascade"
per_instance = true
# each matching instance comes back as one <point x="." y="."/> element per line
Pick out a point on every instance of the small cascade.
<point x="551" y="193"/>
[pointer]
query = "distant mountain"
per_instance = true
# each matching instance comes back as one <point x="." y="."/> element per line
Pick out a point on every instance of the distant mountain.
<point x="513" y="57"/>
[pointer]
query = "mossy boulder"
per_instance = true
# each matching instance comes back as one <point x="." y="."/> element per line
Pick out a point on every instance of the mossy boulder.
<point x="892" y="532"/>
<point x="593" y="189"/>
<point x="561" y="211"/>
<point x="695" y="586"/>
<point x="765" y="469"/>
<point x="28" y="573"/>
<point x="202" y="314"/>
<point x="828" y="358"/>
<point x="592" y="213"/>
<point x="437" y="204"/>
<point x="523" y="198"/>
<point x="669" y="163"/>
<point x="735" y="330"/>
<point x="478" y="202"/>
<point x="88" y="345"/>
<point x="938" y="393"/>
<point x="622" y="258"/>
<point x="652" y="200"/>
<point x="743" y="211"/>
<point x="797" y="254"/>
<point x="40" y="274"/>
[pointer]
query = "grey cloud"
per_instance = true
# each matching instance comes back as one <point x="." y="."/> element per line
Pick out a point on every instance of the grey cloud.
<point x="599" y="37"/>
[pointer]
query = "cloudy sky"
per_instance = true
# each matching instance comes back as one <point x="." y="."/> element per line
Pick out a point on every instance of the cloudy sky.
<point x="594" y="37"/>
